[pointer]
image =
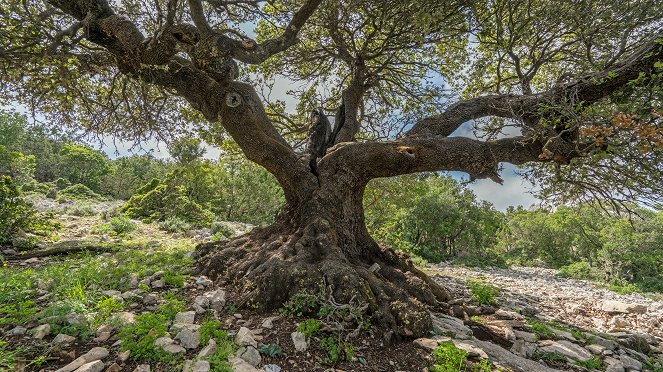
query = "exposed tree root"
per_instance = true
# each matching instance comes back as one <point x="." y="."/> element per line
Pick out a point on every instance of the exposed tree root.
<point x="268" y="266"/>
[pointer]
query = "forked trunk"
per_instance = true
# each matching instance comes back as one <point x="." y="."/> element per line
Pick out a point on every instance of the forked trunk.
<point x="324" y="240"/>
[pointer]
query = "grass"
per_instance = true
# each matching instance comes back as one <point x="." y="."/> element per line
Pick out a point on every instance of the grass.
<point x="483" y="293"/>
<point x="541" y="329"/>
<point x="550" y="357"/>
<point x="592" y="363"/>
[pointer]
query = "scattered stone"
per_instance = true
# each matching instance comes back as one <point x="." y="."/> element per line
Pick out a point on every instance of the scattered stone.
<point x="146" y="281"/>
<point x="271" y="368"/>
<point x="41" y="331"/>
<point x="250" y="354"/>
<point x="598" y="340"/>
<point x="17" y="331"/>
<point x="114" y="368"/>
<point x="204" y="281"/>
<point x="96" y="366"/>
<point x="526" y="336"/>
<point x="613" y="306"/>
<point x="123" y="356"/>
<point x="174" y="349"/>
<point x="188" y="339"/>
<point x="237" y="316"/>
<point x="157" y="284"/>
<point x="126" y="317"/>
<point x="471" y="350"/>
<point x="201" y="304"/>
<point x="507" y="360"/>
<point x="76" y="319"/>
<point x="111" y="293"/>
<point x="163" y="341"/>
<point x="269" y="322"/>
<point x="240" y="365"/>
<point x="187" y="317"/>
<point x="177" y="327"/>
<point x="596" y="349"/>
<point x="133" y="280"/>
<point x="142" y="368"/>
<point x="630" y="363"/>
<point x="566" y="348"/>
<point x="613" y="365"/>
<point x="150" y="299"/>
<point x="299" y="340"/>
<point x="426" y="343"/>
<point x="444" y="324"/>
<point x="244" y="337"/>
<point x="209" y="350"/>
<point x="95" y="354"/>
<point x="217" y="300"/>
<point x="523" y="348"/>
<point x="63" y="339"/>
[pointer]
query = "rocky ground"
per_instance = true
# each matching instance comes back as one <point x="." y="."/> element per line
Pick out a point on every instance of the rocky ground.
<point x="137" y="308"/>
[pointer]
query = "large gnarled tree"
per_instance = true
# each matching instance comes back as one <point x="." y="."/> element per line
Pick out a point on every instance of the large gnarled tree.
<point x="576" y="84"/>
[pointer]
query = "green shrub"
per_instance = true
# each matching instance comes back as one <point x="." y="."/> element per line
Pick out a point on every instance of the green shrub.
<point x="541" y="329"/>
<point x="80" y="210"/>
<point x="221" y="229"/>
<point x="119" y="226"/>
<point x="309" y="327"/>
<point x="211" y="329"/>
<point x="138" y="338"/>
<point x="448" y="358"/>
<point x="336" y="350"/>
<point x="550" y="357"/>
<point x="579" y="270"/>
<point x="592" y="363"/>
<point x="175" y="225"/>
<point x="18" y="215"/>
<point x="483" y="293"/>
<point x="36" y="187"/>
<point x="77" y="192"/>
<point x="157" y="201"/>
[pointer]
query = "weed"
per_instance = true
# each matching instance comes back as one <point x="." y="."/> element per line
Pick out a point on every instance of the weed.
<point x="218" y="362"/>
<point x="105" y="307"/>
<point x="231" y="308"/>
<point x="173" y="279"/>
<point x="175" y="225"/>
<point x="303" y="302"/>
<point x="550" y="357"/>
<point x="211" y="329"/>
<point x="272" y="350"/>
<point x="483" y="293"/>
<point x="118" y="226"/>
<point x="138" y="338"/>
<point x="541" y="329"/>
<point x="7" y="357"/>
<point x="309" y="327"/>
<point x="592" y="363"/>
<point x="172" y="305"/>
<point x="336" y="350"/>
<point x="448" y="358"/>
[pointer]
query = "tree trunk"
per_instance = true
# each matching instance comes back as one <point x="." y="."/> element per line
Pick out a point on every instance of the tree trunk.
<point x="325" y="240"/>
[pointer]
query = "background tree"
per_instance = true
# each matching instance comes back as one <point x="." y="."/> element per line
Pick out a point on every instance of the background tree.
<point x="123" y="67"/>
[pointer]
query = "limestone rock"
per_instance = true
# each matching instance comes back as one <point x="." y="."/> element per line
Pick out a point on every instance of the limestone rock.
<point x="523" y="348"/>
<point x="187" y="317"/>
<point x="76" y="319"/>
<point x="188" y="339"/>
<point x="596" y="349"/>
<point x="244" y="337"/>
<point x="174" y="349"/>
<point x="299" y="340"/>
<point x="17" y="331"/>
<point x="123" y="356"/>
<point x="525" y="336"/>
<point x="426" y="343"/>
<point x="630" y="363"/>
<point x="63" y="339"/>
<point x="271" y="368"/>
<point x="249" y="354"/>
<point x="269" y="322"/>
<point x="444" y="324"/>
<point x="96" y="366"/>
<point x="142" y="368"/>
<point x="114" y="368"/>
<point x="240" y="365"/>
<point x="95" y="354"/>
<point x="204" y="281"/>
<point x="41" y="331"/>
<point x="209" y="350"/>
<point x="613" y="306"/>
<point x="150" y="299"/>
<point x="157" y="284"/>
<point x="126" y="317"/>
<point x="471" y="350"/>
<point x="568" y="349"/>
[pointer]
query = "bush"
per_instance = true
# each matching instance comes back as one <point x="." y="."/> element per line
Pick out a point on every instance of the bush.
<point x="119" y="226"/>
<point x="175" y="225"/>
<point x="448" y="358"/>
<point x="36" y="187"/>
<point x="579" y="270"/>
<point x="80" y="210"/>
<point x="483" y="293"/>
<point x="17" y="214"/>
<point x="77" y="192"/>
<point x="157" y="201"/>
<point x="221" y="229"/>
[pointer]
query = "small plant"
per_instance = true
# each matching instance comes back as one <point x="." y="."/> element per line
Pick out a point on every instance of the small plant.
<point x="107" y="306"/>
<point x="550" y="357"/>
<point x="221" y="230"/>
<point x="302" y="303"/>
<point x="211" y="329"/>
<point x="175" y="225"/>
<point x="336" y="350"/>
<point x="173" y="279"/>
<point x="592" y="363"/>
<point x="138" y="338"/>
<point x="77" y="192"/>
<point x="119" y="226"/>
<point x="272" y="350"/>
<point x="80" y="210"/>
<point x="231" y="308"/>
<point x="483" y="293"/>
<point x="219" y="361"/>
<point x="541" y="329"/>
<point x="7" y="357"/>
<point x="448" y="358"/>
<point x="172" y="305"/>
<point x="309" y="327"/>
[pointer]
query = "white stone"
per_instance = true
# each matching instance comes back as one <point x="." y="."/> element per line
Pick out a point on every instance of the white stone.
<point x="204" y="281"/>
<point x="443" y="324"/>
<point x="188" y="339"/>
<point x="244" y="337"/>
<point x="126" y="317"/>
<point x="526" y="336"/>
<point x="76" y="319"/>
<point x="187" y="317"/>
<point x="96" y="366"/>
<point x="158" y="284"/>
<point x="471" y="350"/>
<point x="612" y="306"/>
<point x="523" y="348"/>
<point x="63" y="339"/>
<point x="269" y="322"/>
<point x="240" y="365"/>
<point x="271" y="368"/>
<point x="96" y="353"/>
<point x="426" y="343"/>
<point x="250" y="354"/>
<point x="41" y="331"/>
<point x="299" y="340"/>
<point x="174" y="349"/>
<point x="596" y="349"/>
<point x="209" y="350"/>
<point x="142" y="368"/>
<point x="568" y="349"/>
<point x="163" y="341"/>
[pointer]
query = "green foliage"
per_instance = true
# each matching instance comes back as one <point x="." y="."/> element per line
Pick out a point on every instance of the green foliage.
<point x="173" y="279"/>
<point x="7" y="357"/>
<point x="541" y="329"/>
<point x="18" y="215"/>
<point x="550" y="357"/>
<point x="119" y="226"/>
<point x="186" y="150"/>
<point x="128" y="174"/>
<point x="211" y="329"/>
<point x="272" y="350"/>
<point x="309" y="327"/>
<point x="107" y="306"/>
<point x="157" y="201"/>
<point x="20" y="167"/>
<point x="432" y="217"/>
<point x="219" y="361"/>
<point x="336" y="350"/>
<point x="83" y="165"/>
<point x="138" y="338"/>
<point x="579" y="270"/>
<point x="592" y="363"/>
<point x="448" y="358"/>
<point x="77" y="192"/>
<point x="301" y="303"/>
<point x="484" y="293"/>
<point x="175" y="224"/>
